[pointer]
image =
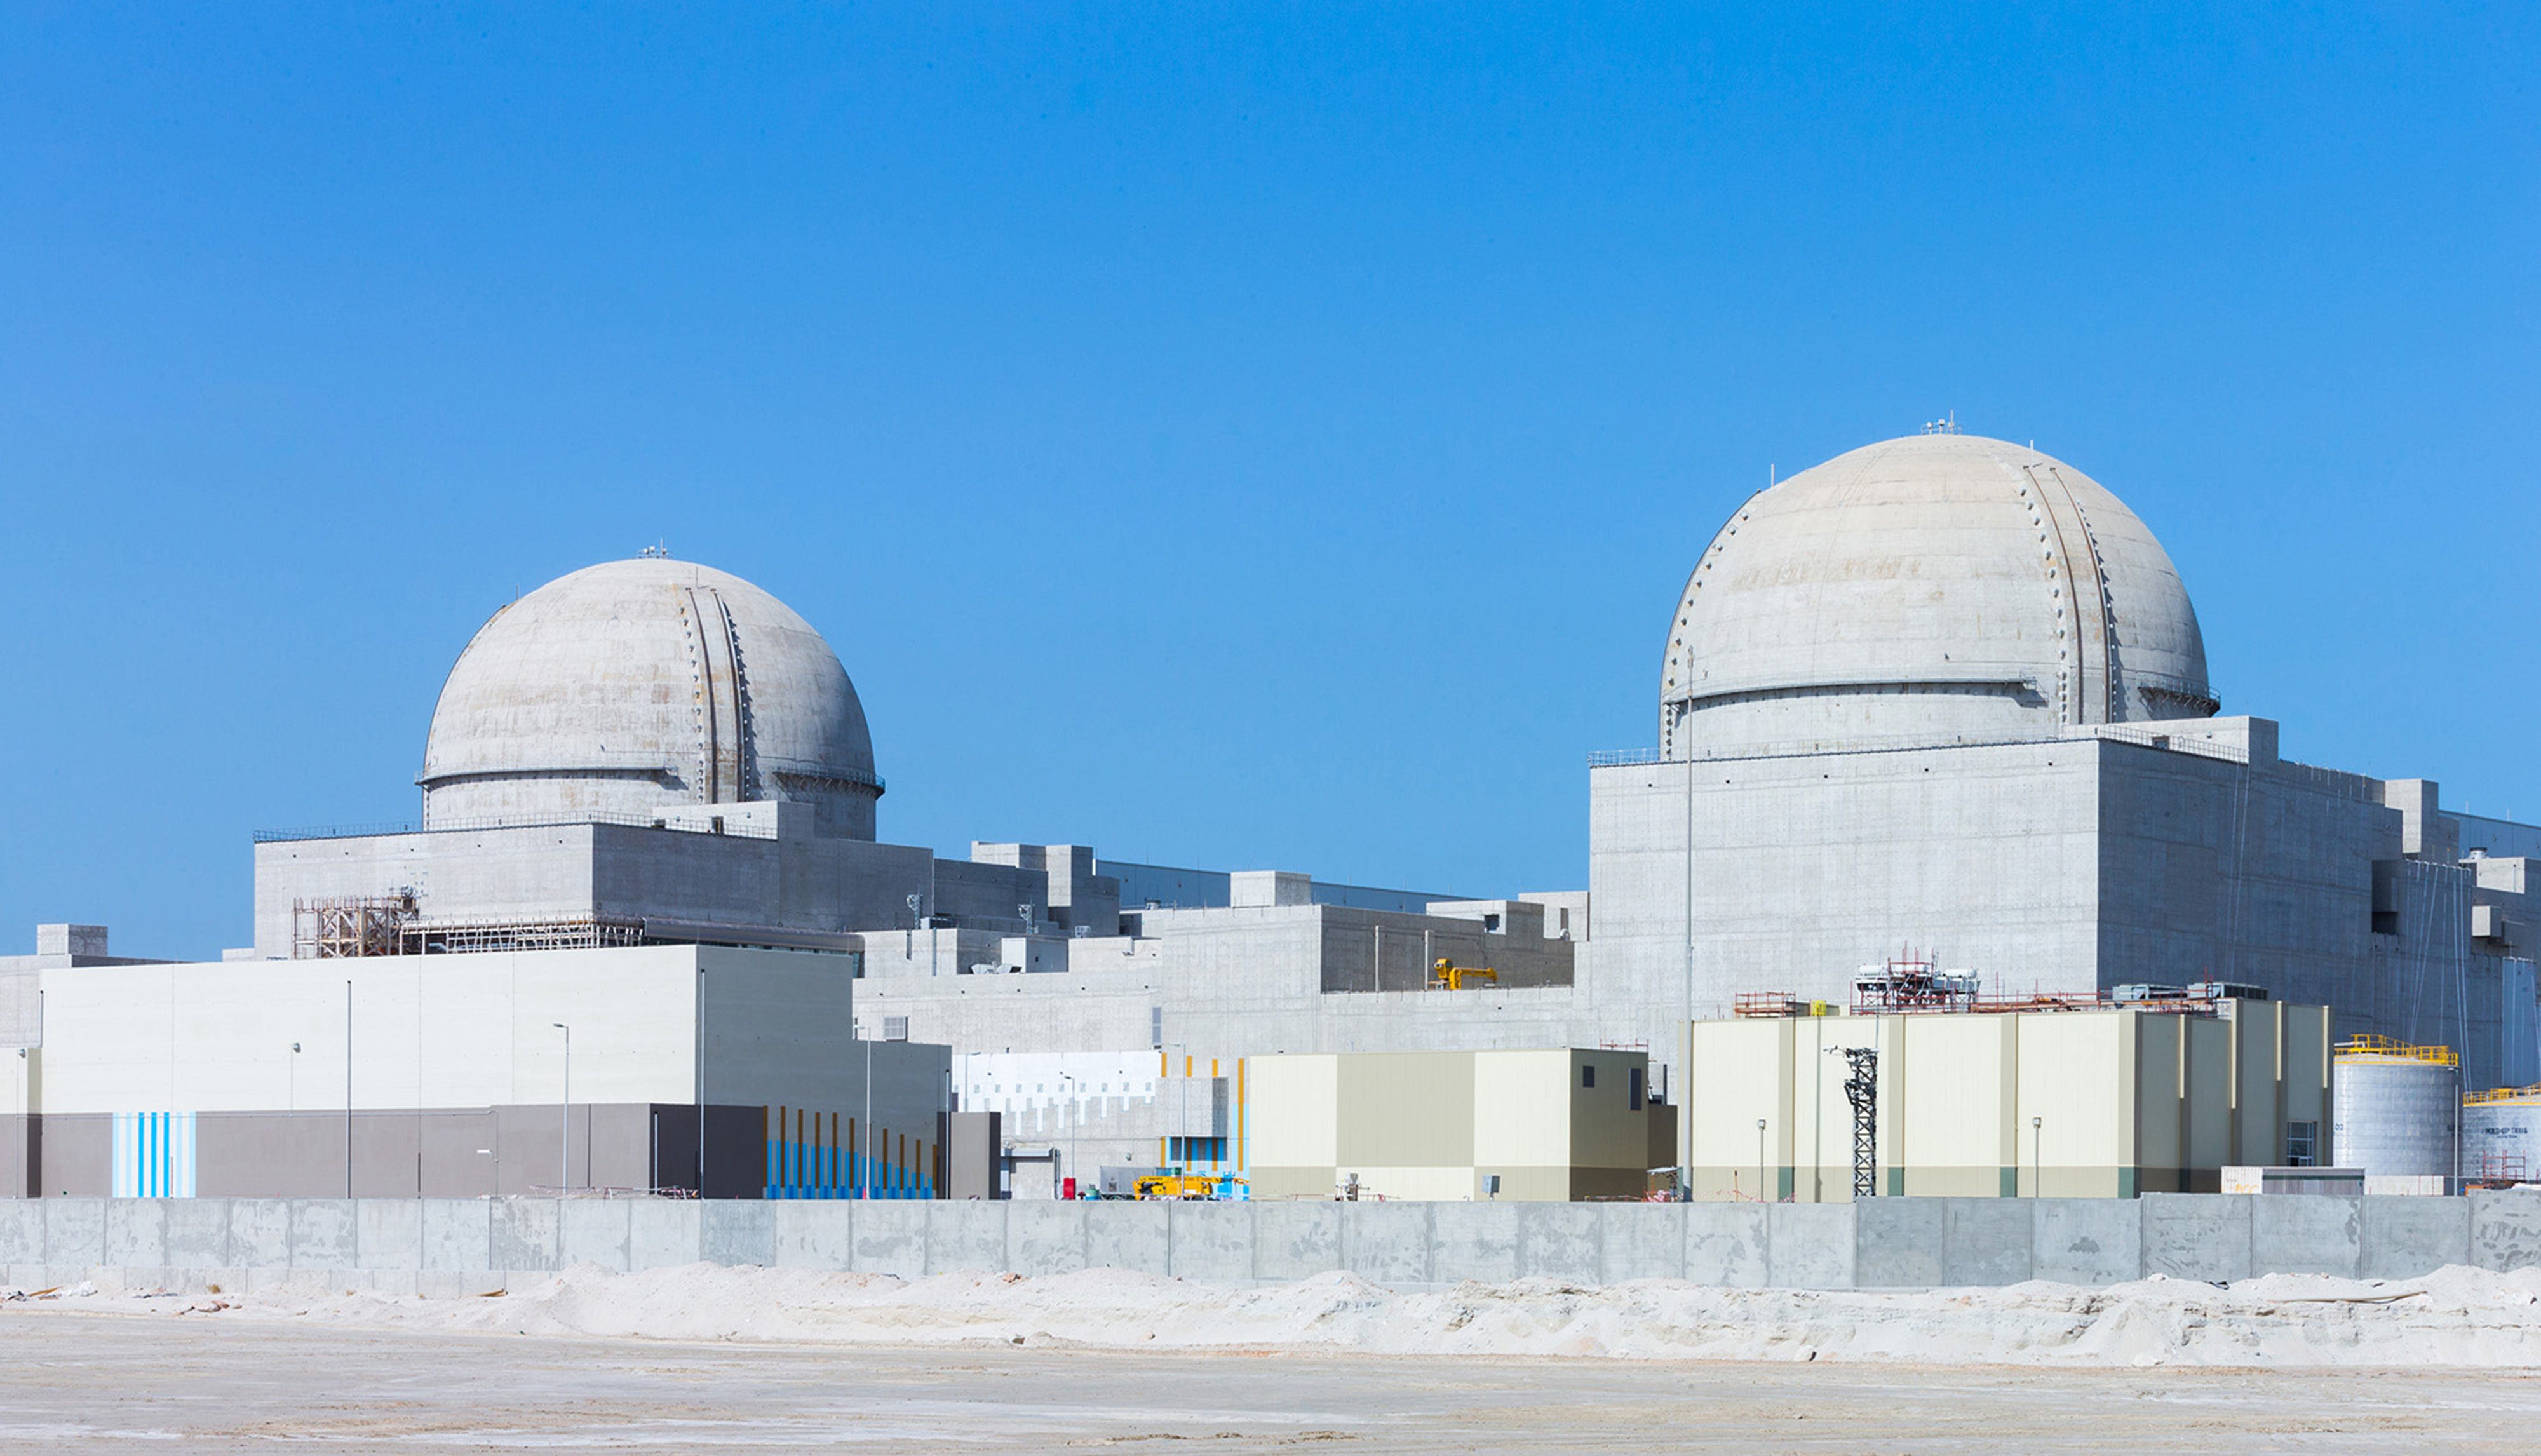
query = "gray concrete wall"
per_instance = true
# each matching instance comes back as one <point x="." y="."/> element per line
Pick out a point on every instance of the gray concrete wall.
<point x="454" y="1246"/>
<point x="2070" y="863"/>
<point x="1237" y="982"/>
<point x="568" y="871"/>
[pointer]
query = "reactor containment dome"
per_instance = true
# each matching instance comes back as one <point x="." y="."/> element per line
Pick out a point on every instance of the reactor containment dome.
<point x="634" y="685"/>
<point x="1934" y="588"/>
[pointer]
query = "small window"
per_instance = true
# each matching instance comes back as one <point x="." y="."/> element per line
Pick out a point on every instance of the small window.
<point x="1587" y="1075"/>
<point x="2302" y="1144"/>
<point x="1634" y="1074"/>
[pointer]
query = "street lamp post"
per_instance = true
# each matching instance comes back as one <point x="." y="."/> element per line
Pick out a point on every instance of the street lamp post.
<point x="1760" y="1162"/>
<point x="864" y="1165"/>
<point x="564" y="1148"/>
<point x="1067" y="1087"/>
<point x="1182" y="1090"/>
<point x="2037" y="1171"/>
<point x="348" y="1089"/>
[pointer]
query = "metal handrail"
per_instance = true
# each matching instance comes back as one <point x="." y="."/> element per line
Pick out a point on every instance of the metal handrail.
<point x="2375" y="1044"/>
<point x="2495" y="1096"/>
<point x="1621" y="758"/>
<point x="731" y="829"/>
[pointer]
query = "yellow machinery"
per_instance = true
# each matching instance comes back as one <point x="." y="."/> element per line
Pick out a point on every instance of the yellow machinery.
<point x="1453" y="976"/>
<point x="2373" y="1047"/>
<point x="1177" y="1186"/>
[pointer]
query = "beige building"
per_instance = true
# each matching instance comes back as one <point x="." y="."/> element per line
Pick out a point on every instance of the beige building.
<point x="1552" y="1126"/>
<point x="2086" y="1102"/>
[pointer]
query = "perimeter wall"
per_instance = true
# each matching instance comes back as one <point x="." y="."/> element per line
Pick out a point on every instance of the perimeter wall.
<point x="464" y="1246"/>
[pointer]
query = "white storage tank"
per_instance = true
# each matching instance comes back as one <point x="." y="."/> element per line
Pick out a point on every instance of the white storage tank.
<point x="2396" y="1108"/>
<point x="2502" y="1135"/>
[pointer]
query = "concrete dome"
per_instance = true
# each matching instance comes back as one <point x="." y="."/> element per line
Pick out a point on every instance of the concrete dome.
<point x="633" y="686"/>
<point x="1926" y="588"/>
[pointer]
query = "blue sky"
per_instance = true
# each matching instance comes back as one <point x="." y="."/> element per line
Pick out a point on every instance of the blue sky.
<point x="1251" y="436"/>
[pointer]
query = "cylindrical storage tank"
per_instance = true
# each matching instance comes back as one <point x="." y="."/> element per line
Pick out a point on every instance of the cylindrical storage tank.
<point x="2397" y="1109"/>
<point x="2502" y="1136"/>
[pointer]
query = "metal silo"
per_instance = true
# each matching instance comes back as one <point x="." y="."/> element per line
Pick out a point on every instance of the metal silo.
<point x="2397" y="1109"/>
<point x="2502" y="1135"/>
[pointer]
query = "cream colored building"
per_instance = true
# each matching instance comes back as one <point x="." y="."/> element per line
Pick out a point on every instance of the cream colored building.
<point x="2092" y="1103"/>
<point x="1552" y="1126"/>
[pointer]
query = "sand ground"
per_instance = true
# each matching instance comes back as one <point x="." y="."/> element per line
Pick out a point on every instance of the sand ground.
<point x="87" y="1380"/>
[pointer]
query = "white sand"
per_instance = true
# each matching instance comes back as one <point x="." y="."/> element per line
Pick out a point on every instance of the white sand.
<point x="2456" y="1317"/>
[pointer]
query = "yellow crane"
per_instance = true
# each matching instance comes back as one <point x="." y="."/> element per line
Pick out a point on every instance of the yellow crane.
<point x="1457" y="977"/>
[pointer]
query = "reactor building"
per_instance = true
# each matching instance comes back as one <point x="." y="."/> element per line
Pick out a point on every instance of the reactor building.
<point x="1943" y="699"/>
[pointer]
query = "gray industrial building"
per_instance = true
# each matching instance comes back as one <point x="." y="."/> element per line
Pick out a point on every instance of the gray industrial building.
<point x="1943" y="695"/>
<point x="1947" y="693"/>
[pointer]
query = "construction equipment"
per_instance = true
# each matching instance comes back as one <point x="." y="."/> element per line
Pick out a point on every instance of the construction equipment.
<point x="1187" y="1186"/>
<point x="1782" y="1003"/>
<point x="1452" y="976"/>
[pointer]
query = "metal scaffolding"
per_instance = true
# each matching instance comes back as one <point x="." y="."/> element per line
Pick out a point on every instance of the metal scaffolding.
<point x="388" y="925"/>
<point x="1862" y="1089"/>
<point x="354" y="925"/>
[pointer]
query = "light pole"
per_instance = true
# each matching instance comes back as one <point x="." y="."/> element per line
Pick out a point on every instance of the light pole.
<point x="702" y="1081"/>
<point x="1067" y="1086"/>
<point x="565" y="1150"/>
<point x="1685" y="1130"/>
<point x="1760" y="1162"/>
<point x="348" y="1089"/>
<point x="864" y="1165"/>
<point x="2037" y="1171"/>
<point x="1182" y="1090"/>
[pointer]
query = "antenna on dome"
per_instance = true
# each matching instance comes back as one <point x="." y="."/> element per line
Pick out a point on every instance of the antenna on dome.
<point x="656" y="552"/>
<point x="1947" y="424"/>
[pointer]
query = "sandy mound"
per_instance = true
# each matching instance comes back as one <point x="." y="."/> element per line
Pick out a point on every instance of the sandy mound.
<point x="2455" y="1317"/>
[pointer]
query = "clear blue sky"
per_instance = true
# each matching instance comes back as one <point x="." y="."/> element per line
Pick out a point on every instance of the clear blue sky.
<point x="1245" y="437"/>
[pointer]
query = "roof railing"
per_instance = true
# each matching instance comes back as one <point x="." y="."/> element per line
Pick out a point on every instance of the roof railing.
<point x="693" y="819"/>
<point x="2374" y="1047"/>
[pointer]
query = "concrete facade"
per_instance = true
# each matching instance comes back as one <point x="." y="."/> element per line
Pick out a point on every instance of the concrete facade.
<point x="2098" y="857"/>
<point x="749" y="873"/>
<point x="466" y="1246"/>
